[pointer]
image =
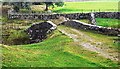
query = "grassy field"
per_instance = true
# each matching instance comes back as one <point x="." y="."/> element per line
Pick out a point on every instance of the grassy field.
<point x="73" y="7"/>
<point x="58" y="50"/>
<point x="55" y="51"/>
<point x="108" y="22"/>
<point x="48" y="53"/>
<point x="76" y="7"/>
<point x="105" y="22"/>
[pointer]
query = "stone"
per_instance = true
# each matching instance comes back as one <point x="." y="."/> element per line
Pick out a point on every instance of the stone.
<point x="92" y="19"/>
<point x="38" y="31"/>
<point x="70" y="16"/>
<point x="99" y="29"/>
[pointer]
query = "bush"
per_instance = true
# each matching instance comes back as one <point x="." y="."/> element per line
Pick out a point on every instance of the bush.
<point x="16" y="8"/>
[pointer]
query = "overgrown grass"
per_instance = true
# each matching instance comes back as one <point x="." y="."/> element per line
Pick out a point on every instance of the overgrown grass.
<point x="18" y="38"/>
<point x="59" y="51"/>
<point x="12" y="30"/>
<point x="85" y="20"/>
<point x="76" y="7"/>
<point x="108" y="22"/>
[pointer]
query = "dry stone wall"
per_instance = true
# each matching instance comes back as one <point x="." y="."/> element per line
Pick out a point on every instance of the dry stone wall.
<point x="103" y="30"/>
<point x="56" y="16"/>
<point x="115" y="15"/>
<point x="47" y="16"/>
<point x="74" y="23"/>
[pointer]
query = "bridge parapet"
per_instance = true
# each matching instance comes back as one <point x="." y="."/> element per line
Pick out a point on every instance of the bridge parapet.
<point x="99" y="29"/>
<point x="38" y="31"/>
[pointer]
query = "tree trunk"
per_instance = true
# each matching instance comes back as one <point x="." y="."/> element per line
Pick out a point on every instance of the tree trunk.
<point x="46" y="9"/>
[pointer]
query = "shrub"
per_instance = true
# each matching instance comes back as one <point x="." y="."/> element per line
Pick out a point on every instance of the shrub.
<point x="16" y="8"/>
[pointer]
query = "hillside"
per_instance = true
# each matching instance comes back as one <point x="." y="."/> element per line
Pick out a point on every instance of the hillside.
<point x="58" y="50"/>
<point x="69" y="44"/>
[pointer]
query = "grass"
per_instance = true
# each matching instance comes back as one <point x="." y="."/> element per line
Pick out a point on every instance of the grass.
<point x="98" y="37"/>
<point x="59" y="51"/>
<point x="105" y="22"/>
<point x="111" y="41"/>
<point x="43" y="54"/>
<point x="108" y="22"/>
<point x="38" y="7"/>
<point x="12" y="30"/>
<point x="107" y="41"/>
<point x="85" y="20"/>
<point x="76" y="7"/>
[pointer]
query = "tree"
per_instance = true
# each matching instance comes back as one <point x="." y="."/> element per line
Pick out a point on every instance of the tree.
<point x="59" y="4"/>
<point x="26" y="5"/>
<point x="16" y="6"/>
<point x="47" y="5"/>
<point x="20" y="5"/>
<point x="52" y="4"/>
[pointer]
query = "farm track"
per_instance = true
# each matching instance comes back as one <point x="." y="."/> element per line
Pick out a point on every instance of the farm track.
<point x="89" y="43"/>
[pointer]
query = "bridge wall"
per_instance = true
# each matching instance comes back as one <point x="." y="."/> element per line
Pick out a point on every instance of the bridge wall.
<point x="99" y="29"/>
<point x="38" y="31"/>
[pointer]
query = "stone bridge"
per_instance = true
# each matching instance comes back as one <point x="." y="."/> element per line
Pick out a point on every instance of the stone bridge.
<point x="38" y="31"/>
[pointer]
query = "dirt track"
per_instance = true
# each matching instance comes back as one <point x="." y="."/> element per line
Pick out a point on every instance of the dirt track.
<point x="89" y="43"/>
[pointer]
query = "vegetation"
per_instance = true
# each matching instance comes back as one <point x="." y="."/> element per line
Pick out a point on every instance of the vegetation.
<point x="52" y="4"/>
<point x="59" y="50"/>
<point x="14" y="30"/>
<point x="105" y="22"/>
<point x="75" y="7"/>
<point x="70" y="7"/>
<point x="85" y="20"/>
<point x="108" y="22"/>
<point x="20" y="5"/>
<point x="18" y="37"/>
<point x="106" y="42"/>
<point x="26" y="5"/>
